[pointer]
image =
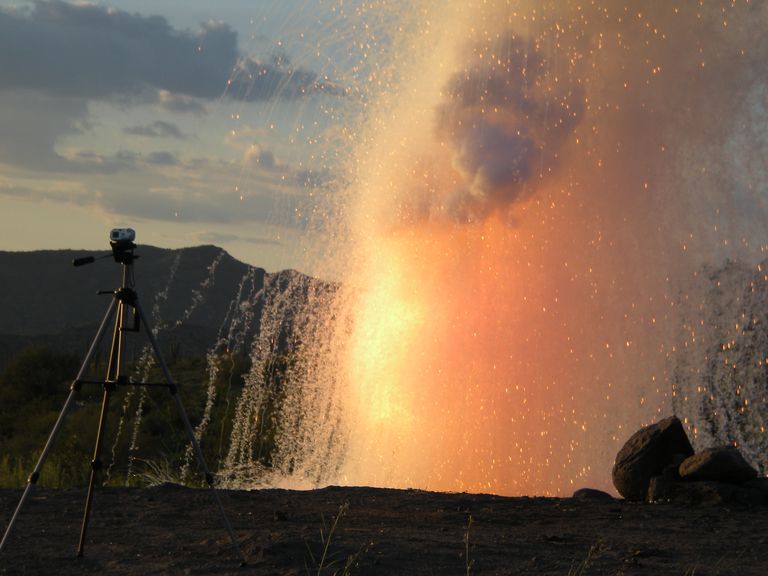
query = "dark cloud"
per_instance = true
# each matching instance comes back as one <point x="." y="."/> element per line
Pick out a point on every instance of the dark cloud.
<point x="162" y="158"/>
<point x="174" y="205"/>
<point x="275" y="77"/>
<point x="93" y="163"/>
<point x="56" y="57"/>
<point x="308" y="178"/>
<point x="168" y="200"/>
<point x="178" y="103"/>
<point x="92" y="52"/>
<point x="29" y="133"/>
<point x="25" y="193"/>
<point x="259" y="157"/>
<point x="158" y="129"/>
<point x="71" y="195"/>
<point x="216" y="238"/>
<point x="34" y="151"/>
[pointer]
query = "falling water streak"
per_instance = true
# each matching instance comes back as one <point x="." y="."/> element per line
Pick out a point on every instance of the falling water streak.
<point x="199" y="295"/>
<point x="142" y="371"/>
<point x="241" y="330"/>
<point x="722" y="360"/>
<point x="311" y="435"/>
<point x="289" y="303"/>
<point x="146" y="363"/>
<point x="231" y="339"/>
<point x="276" y="307"/>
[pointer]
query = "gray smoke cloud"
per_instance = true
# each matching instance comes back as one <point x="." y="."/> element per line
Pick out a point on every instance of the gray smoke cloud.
<point x="506" y="116"/>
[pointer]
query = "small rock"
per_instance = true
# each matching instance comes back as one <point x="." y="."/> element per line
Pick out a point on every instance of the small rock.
<point x="646" y="454"/>
<point x="719" y="464"/>
<point x="592" y="494"/>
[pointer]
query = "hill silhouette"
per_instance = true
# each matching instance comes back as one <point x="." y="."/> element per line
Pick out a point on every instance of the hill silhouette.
<point x="188" y="293"/>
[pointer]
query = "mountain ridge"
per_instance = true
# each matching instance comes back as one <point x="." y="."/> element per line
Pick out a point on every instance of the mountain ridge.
<point x="187" y="293"/>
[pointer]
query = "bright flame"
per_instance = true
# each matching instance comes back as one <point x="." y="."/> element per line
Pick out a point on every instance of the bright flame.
<point x="460" y="370"/>
<point x="392" y="317"/>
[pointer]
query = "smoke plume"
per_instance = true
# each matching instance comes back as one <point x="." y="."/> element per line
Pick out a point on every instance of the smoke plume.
<point x="506" y="117"/>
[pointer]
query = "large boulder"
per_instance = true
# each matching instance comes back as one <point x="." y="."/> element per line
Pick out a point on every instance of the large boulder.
<point x="646" y="454"/>
<point x="718" y="464"/>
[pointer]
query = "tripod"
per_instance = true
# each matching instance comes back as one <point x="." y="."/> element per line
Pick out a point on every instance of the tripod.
<point x="124" y="298"/>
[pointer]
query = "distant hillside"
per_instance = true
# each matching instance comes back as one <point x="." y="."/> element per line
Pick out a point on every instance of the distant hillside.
<point x="189" y="293"/>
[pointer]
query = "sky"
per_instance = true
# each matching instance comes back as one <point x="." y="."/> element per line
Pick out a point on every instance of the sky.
<point x="193" y="123"/>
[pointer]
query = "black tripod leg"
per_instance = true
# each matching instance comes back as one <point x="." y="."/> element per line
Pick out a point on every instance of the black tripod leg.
<point x="190" y="433"/>
<point x="33" y="477"/>
<point x="113" y="371"/>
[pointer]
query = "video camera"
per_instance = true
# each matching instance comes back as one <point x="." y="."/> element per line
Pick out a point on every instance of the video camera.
<point x="121" y="240"/>
<point x="122" y="235"/>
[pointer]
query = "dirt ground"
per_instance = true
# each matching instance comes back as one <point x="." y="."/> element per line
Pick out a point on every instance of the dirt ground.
<point x="176" y="530"/>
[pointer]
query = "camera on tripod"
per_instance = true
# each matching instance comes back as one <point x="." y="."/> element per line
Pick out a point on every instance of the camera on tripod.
<point x="125" y="297"/>
<point x="121" y="240"/>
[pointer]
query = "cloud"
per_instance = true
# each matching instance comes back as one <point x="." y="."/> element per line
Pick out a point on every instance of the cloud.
<point x="216" y="238"/>
<point x="93" y="52"/>
<point x="61" y="191"/>
<point x="257" y="156"/>
<point x="309" y="178"/>
<point x="260" y="160"/>
<point x="162" y="158"/>
<point x="178" y="103"/>
<point x="207" y="197"/>
<point x="57" y="59"/>
<point x="158" y="129"/>
<point x="190" y="206"/>
<point x="28" y="134"/>
<point x="275" y="77"/>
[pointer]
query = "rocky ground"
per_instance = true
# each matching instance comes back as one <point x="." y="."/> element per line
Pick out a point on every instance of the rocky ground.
<point x="175" y="530"/>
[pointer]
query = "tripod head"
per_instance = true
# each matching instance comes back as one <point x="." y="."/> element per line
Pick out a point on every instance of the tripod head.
<point x="121" y="241"/>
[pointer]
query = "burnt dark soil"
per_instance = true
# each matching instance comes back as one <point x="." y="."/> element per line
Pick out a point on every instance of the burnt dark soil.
<point x="176" y="530"/>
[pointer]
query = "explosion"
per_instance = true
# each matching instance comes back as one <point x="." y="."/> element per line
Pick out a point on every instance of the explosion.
<point x="522" y="212"/>
<point x="531" y="185"/>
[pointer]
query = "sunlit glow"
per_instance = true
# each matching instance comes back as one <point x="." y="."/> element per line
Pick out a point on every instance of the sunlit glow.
<point x="392" y="317"/>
